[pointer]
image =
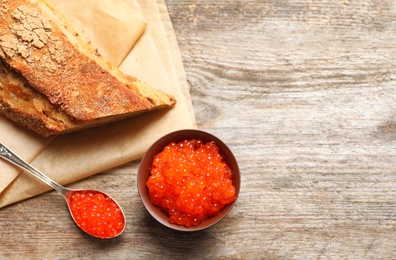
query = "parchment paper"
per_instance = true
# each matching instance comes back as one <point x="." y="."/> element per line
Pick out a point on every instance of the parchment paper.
<point x="97" y="20"/>
<point x="155" y="59"/>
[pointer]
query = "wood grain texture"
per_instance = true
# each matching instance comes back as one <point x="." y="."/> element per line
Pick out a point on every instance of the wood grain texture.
<point x="304" y="94"/>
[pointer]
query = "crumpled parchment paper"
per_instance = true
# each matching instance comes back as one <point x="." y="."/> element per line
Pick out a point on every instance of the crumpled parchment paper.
<point x="137" y="35"/>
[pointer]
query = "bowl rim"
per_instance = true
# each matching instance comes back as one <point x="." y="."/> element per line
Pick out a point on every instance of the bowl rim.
<point x="158" y="146"/>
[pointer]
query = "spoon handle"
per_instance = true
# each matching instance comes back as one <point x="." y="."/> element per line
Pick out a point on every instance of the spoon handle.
<point x="8" y="155"/>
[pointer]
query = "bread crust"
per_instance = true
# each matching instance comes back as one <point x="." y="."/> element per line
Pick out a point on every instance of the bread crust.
<point x="42" y="51"/>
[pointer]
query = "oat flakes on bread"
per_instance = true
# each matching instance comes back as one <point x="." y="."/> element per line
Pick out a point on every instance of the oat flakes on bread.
<point x="53" y="81"/>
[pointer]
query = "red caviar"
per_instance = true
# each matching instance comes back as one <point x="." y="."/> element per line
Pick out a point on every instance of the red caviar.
<point x="97" y="214"/>
<point x="190" y="181"/>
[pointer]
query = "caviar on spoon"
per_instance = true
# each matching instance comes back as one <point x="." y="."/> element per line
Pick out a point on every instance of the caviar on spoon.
<point x="93" y="211"/>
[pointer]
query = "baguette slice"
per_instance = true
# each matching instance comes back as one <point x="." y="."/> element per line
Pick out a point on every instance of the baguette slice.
<point x="53" y="81"/>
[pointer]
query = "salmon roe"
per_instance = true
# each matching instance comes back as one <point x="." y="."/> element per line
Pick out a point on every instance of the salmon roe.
<point x="97" y="214"/>
<point x="190" y="181"/>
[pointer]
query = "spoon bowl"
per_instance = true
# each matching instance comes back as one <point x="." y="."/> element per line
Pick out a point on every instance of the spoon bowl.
<point x="94" y="211"/>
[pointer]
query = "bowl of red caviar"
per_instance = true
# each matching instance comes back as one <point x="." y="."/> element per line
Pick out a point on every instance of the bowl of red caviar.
<point x="188" y="180"/>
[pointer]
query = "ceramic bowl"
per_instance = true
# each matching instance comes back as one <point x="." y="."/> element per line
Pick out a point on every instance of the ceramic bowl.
<point x="157" y="147"/>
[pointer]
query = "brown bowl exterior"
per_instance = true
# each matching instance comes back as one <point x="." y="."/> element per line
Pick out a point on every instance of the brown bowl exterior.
<point x="157" y="147"/>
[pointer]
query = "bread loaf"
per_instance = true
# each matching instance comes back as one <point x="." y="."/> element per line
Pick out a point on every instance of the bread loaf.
<point x="53" y="81"/>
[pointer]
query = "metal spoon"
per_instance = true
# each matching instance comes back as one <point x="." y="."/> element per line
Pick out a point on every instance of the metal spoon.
<point x="8" y="155"/>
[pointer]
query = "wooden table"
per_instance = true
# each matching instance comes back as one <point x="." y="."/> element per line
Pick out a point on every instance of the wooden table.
<point x="304" y="94"/>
